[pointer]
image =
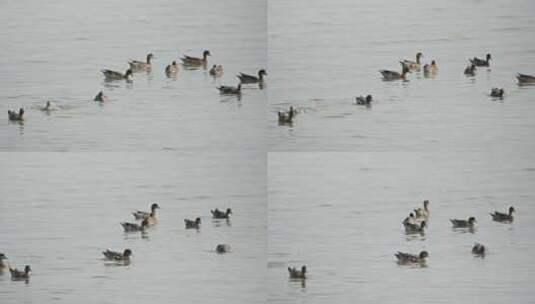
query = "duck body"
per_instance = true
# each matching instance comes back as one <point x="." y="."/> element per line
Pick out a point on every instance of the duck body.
<point x="139" y="66"/>
<point x="20" y="274"/>
<point x="216" y="71"/>
<point x="413" y="65"/>
<point x="497" y="92"/>
<point x="365" y="101"/>
<point x="194" y="61"/>
<point x="525" y="79"/>
<point x="470" y="70"/>
<point x="228" y="90"/>
<point x="218" y="214"/>
<point x="117" y="256"/>
<point x="480" y="62"/>
<point x="110" y="75"/>
<point x="408" y="258"/>
<point x="297" y="274"/>
<point x="478" y="249"/>
<point x="503" y="217"/>
<point x="134" y="227"/>
<point x="287" y="117"/>
<point x="192" y="224"/>
<point x="393" y="75"/>
<point x="16" y="116"/>
<point x="172" y="69"/>
<point x="222" y="248"/>
<point x="415" y="228"/>
<point x="246" y="78"/>
<point x="469" y="223"/>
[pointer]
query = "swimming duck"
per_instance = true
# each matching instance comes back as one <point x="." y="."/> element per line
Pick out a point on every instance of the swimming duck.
<point x="217" y="214"/>
<point x="480" y="62"/>
<point x="193" y="223"/>
<point x="470" y="70"/>
<point x="407" y="258"/>
<point x="228" y="90"/>
<point x="286" y="117"/>
<point x="297" y="274"/>
<point x="361" y="100"/>
<point x="524" y="78"/>
<point x="422" y="213"/>
<point x="133" y="227"/>
<point x="430" y="68"/>
<point x="393" y="75"/>
<point x="171" y="69"/>
<point x="3" y="262"/>
<point x="110" y="75"/>
<point x="47" y="107"/>
<point x="194" y="61"/>
<point x="478" y="249"/>
<point x="222" y="248"/>
<point x="409" y="219"/>
<point x="19" y="274"/>
<point x="463" y="223"/>
<point x="503" y="217"/>
<point x="141" y="215"/>
<point x="117" y="256"/>
<point x="246" y="78"/>
<point x="14" y="116"/>
<point x="138" y="66"/>
<point x="413" y="65"/>
<point x="100" y="97"/>
<point x="495" y="92"/>
<point x="216" y="71"/>
<point x="415" y="228"/>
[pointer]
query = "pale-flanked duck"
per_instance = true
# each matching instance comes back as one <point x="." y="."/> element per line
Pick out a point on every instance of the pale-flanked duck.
<point x="287" y="117"/>
<point x="110" y="75"/>
<point x="431" y="68"/>
<point x="480" y="62"/>
<point x="246" y="78"/>
<point x="409" y="219"/>
<point x="216" y="71"/>
<point x="194" y="61"/>
<point x="193" y="224"/>
<point x="478" y="249"/>
<point x="470" y="70"/>
<point x="525" y="79"/>
<point x="415" y="228"/>
<point x="408" y="258"/>
<point x="117" y="256"/>
<point x="222" y="248"/>
<point x="138" y="66"/>
<point x="413" y="65"/>
<point x="218" y="214"/>
<point x="393" y="75"/>
<point x="171" y="69"/>
<point x="297" y="274"/>
<point x="469" y="223"/>
<point x="366" y="101"/>
<point x="503" y="217"/>
<point x="422" y="213"/>
<point x="14" y="116"/>
<point x="21" y="274"/>
<point x="228" y="90"/>
<point x="3" y="261"/>
<point x="134" y="227"/>
<point x="141" y="215"/>
<point x="100" y="97"/>
<point x="497" y="92"/>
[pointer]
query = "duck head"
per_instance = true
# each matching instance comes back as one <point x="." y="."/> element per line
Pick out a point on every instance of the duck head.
<point x="511" y="210"/>
<point x="489" y="57"/>
<point x="419" y="55"/>
<point x="173" y="63"/>
<point x="433" y="63"/>
<point x="206" y="53"/>
<point x="2" y="257"/>
<point x="426" y="204"/>
<point x="303" y="269"/>
<point x="154" y="207"/>
<point x="261" y="73"/>
<point x="369" y="98"/>
<point x="198" y="220"/>
<point x="150" y="56"/>
<point x="127" y="252"/>
<point x="21" y="112"/>
<point x="128" y="74"/>
<point x="423" y="254"/>
<point x="27" y="269"/>
<point x="229" y="211"/>
<point x="471" y="220"/>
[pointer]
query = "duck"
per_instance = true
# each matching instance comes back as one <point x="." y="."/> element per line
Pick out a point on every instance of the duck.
<point x="14" y="116"/>
<point x="413" y="65"/>
<point x="480" y="62"/>
<point x="286" y="117"/>
<point x="138" y="66"/>
<point x="133" y="227"/>
<point x="117" y="256"/>
<point x="470" y="70"/>
<point x="194" y="61"/>
<point x="217" y="214"/>
<point x="246" y="78"/>
<point x="171" y="69"/>
<point x="463" y="223"/>
<point x="47" y="107"/>
<point x="3" y="261"/>
<point x="430" y="68"/>
<point x="297" y="274"/>
<point x="496" y="92"/>
<point x="409" y="219"/>
<point x="222" y="248"/>
<point x="415" y="228"/>
<point x="503" y="217"/>
<point x="141" y="215"/>
<point x="21" y="274"/>
<point x="110" y="75"/>
<point x="478" y="249"/>
<point x="216" y="71"/>
<point x="525" y="79"/>
<point x="408" y="258"/>
<point x="193" y="223"/>
<point x="393" y="75"/>
<point x="361" y="100"/>
<point x="422" y="213"/>
<point x="228" y="90"/>
<point x="100" y="97"/>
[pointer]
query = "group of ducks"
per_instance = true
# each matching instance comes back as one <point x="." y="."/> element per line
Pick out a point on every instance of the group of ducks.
<point x="171" y="70"/>
<point x="145" y="220"/>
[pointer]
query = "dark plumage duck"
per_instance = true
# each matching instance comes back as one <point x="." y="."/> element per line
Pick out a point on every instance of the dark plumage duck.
<point x="480" y="62"/>
<point x="422" y="213"/>
<point x="138" y="66"/>
<point x="141" y="215"/>
<point x="14" y="116"/>
<point x="393" y="75"/>
<point x="228" y="90"/>
<point x="413" y="65"/>
<point x="100" y="97"/>
<point x="117" y="256"/>
<point x="361" y="100"/>
<point x="503" y="217"/>
<point x="216" y="71"/>
<point x="463" y="223"/>
<point x="407" y="258"/>
<point x="496" y="92"/>
<point x="194" y="61"/>
<point x="222" y="248"/>
<point x="287" y="117"/>
<point x="478" y="249"/>
<point x="110" y="75"/>
<point x="525" y="79"/>
<point x="470" y="70"/>
<point x="246" y="78"/>
<point x="218" y="214"/>
<point x="21" y="274"/>
<point x="193" y="224"/>
<point x="172" y="69"/>
<point x="133" y="227"/>
<point x="415" y="228"/>
<point x="297" y="274"/>
<point x="3" y="261"/>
